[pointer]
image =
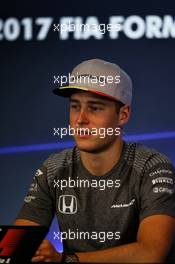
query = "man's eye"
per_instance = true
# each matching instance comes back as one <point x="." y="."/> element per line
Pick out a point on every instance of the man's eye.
<point x="95" y="108"/>
<point x="75" y="107"/>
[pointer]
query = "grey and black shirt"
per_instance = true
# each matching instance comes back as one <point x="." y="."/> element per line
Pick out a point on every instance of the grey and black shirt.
<point x="96" y="212"/>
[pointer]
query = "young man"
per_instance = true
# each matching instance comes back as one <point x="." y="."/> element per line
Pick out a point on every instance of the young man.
<point x="115" y="201"/>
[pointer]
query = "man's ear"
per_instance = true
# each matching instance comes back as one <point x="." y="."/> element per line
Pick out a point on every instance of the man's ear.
<point x="124" y="115"/>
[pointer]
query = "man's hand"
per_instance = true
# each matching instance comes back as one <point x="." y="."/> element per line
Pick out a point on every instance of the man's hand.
<point x="46" y="253"/>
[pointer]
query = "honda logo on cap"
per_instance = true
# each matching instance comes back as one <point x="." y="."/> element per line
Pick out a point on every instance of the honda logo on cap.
<point x="67" y="204"/>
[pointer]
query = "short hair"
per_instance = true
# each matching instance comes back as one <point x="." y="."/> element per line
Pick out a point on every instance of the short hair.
<point x="119" y="105"/>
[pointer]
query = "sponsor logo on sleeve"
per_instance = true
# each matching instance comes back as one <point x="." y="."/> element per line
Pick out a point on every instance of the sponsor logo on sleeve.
<point x="162" y="190"/>
<point x="160" y="171"/>
<point x="33" y="187"/>
<point x="162" y="180"/>
<point x="29" y="198"/>
<point x="38" y="173"/>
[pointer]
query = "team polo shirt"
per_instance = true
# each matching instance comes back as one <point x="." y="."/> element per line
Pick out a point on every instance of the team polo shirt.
<point x="98" y="212"/>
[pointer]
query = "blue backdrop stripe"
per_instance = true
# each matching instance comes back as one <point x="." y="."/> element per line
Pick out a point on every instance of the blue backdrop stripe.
<point x="69" y="144"/>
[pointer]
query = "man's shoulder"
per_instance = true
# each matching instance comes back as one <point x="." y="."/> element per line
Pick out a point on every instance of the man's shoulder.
<point x="143" y="156"/>
<point x="58" y="163"/>
<point x="63" y="158"/>
<point x="151" y="153"/>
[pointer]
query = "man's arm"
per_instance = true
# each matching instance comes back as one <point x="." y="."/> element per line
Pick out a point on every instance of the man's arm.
<point x="25" y="222"/>
<point x="39" y="211"/>
<point x="154" y="240"/>
<point x="46" y="251"/>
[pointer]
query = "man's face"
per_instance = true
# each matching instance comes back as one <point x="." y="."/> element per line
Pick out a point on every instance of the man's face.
<point x="88" y="110"/>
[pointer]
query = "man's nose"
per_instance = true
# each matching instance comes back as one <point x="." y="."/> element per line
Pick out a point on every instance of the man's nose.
<point x="82" y="117"/>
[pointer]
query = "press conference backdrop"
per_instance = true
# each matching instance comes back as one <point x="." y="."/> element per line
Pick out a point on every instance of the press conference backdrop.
<point x="35" y="50"/>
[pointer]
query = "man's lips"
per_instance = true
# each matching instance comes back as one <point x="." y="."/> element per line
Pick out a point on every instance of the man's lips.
<point x="83" y="136"/>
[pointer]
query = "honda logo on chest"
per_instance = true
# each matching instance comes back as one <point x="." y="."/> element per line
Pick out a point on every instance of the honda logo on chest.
<point x="67" y="204"/>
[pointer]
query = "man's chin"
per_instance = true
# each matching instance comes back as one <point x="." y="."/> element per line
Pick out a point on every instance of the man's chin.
<point x="87" y="146"/>
<point x="91" y="148"/>
<point x="88" y="150"/>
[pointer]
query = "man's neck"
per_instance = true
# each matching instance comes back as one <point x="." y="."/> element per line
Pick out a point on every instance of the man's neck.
<point x="100" y="163"/>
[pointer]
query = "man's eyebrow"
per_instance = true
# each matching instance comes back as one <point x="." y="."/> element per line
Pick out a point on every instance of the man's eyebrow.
<point x="96" y="102"/>
<point x="88" y="102"/>
<point x="74" y="101"/>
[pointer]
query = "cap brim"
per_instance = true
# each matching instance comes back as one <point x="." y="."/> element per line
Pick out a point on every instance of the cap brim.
<point x="67" y="91"/>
